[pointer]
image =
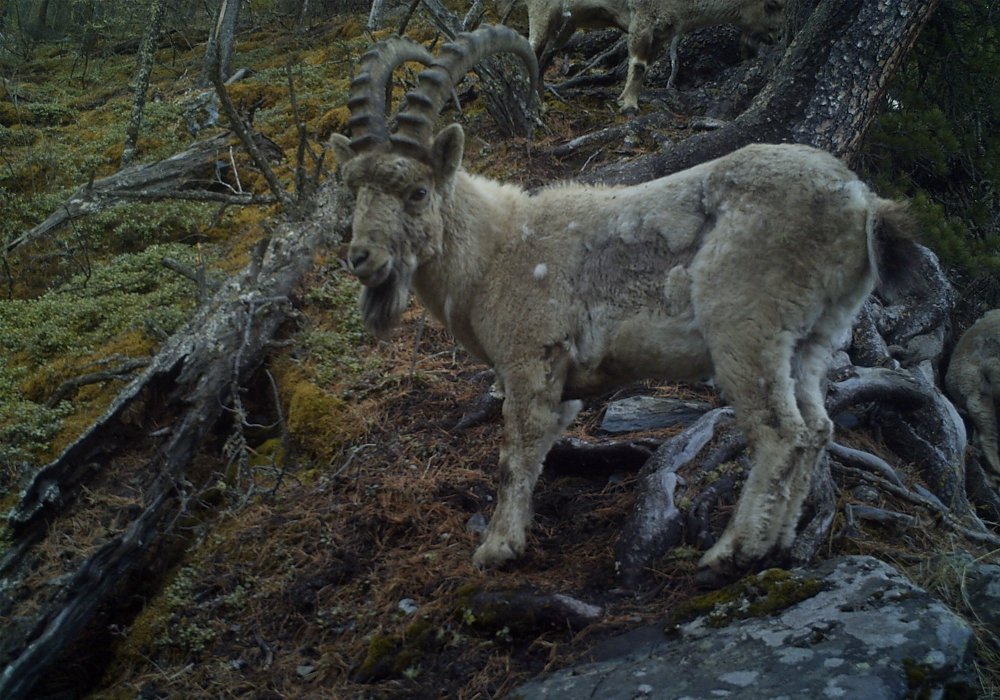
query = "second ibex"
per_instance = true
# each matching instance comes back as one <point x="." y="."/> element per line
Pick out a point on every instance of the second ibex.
<point x="649" y="24"/>
<point x="749" y="268"/>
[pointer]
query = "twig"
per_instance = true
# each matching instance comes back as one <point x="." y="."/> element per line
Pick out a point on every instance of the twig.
<point x="191" y="196"/>
<point x="474" y="13"/>
<point x="303" y="147"/>
<point x="864" y="460"/>
<point x="878" y="515"/>
<point x="236" y="171"/>
<point x="121" y="372"/>
<point x="285" y="438"/>
<point x="416" y="344"/>
<point x="901" y="492"/>
<point x="414" y="4"/>
<point x="350" y="458"/>
<point x="196" y="276"/>
<point x="215" y="71"/>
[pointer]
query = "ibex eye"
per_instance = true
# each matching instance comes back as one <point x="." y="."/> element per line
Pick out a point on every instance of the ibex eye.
<point x="418" y="194"/>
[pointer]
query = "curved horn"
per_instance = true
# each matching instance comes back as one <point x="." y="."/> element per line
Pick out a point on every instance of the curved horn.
<point x="415" y="122"/>
<point x="370" y="90"/>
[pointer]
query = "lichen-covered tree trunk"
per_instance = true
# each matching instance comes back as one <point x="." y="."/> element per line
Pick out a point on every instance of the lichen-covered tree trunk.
<point x="140" y="83"/>
<point x="375" y="16"/>
<point x="221" y="40"/>
<point x="825" y="92"/>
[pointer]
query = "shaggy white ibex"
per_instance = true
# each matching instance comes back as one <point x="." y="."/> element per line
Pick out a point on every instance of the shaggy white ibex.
<point x="973" y="382"/>
<point x="749" y="268"/>
<point x="649" y="23"/>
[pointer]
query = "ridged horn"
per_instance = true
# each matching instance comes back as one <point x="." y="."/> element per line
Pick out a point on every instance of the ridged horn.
<point x="415" y="121"/>
<point x="371" y="89"/>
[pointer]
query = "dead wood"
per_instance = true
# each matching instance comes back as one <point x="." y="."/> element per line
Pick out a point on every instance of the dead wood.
<point x="857" y="385"/>
<point x="189" y="175"/>
<point x="656" y="524"/>
<point x="121" y="372"/>
<point x="943" y="515"/>
<point x="527" y="611"/>
<point x="198" y="370"/>
<point x="890" y="518"/>
<point x="634" y="129"/>
<point x="860" y="459"/>
<point x="486" y="409"/>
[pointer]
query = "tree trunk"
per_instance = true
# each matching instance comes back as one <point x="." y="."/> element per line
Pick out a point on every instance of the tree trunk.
<point x="375" y="16"/>
<point x="303" y="11"/>
<point x="40" y="22"/>
<point x="221" y="40"/>
<point x="825" y="92"/>
<point x="140" y="83"/>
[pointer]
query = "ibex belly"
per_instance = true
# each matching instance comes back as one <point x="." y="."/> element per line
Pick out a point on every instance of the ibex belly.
<point x="643" y="346"/>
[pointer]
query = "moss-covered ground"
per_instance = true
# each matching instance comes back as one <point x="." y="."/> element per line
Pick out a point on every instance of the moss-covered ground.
<point x="339" y="567"/>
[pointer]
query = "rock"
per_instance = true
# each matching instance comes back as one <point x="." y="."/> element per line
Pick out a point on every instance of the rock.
<point x="649" y="413"/>
<point x="982" y="590"/>
<point x="476" y="523"/>
<point x="860" y="629"/>
<point x="975" y="587"/>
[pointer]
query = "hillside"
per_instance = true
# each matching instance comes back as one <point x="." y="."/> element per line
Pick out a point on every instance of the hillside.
<point x="321" y="547"/>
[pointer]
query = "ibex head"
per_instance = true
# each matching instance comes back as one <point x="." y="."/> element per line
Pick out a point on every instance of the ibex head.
<point x="399" y="179"/>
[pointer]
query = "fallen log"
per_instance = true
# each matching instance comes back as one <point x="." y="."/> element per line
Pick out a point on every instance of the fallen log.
<point x="202" y="366"/>
<point x="186" y="175"/>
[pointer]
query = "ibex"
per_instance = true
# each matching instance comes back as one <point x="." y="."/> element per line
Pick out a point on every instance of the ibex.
<point x="649" y="24"/>
<point x="973" y="382"/>
<point x="749" y="268"/>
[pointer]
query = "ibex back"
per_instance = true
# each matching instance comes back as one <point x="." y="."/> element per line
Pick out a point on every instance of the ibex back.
<point x="748" y="268"/>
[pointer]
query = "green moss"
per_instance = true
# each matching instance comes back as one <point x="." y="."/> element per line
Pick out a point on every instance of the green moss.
<point x="400" y="655"/>
<point x="924" y="682"/>
<point x="320" y="423"/>
<point x="119" y="308"/>
<point x="767" y="593"/>
<point x="93" y="306"/>
<point x="333" y="343"/>
<point x="268" y="452"/>
<point x="379" y="659"/>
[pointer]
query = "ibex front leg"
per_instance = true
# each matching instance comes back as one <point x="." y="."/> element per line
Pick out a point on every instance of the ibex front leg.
<point x="534" y="416"/>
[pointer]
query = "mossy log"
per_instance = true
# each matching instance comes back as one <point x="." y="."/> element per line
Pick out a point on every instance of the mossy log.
<point x="190" y="174"/>
<point x="196" y="371"/>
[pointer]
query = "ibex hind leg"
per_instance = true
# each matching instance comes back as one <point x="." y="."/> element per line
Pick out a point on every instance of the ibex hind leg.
<point x="981" y="407"/>
<point x="756" y="375"/>
<point x="809" y="372"/>
<point x="534" y="416"/>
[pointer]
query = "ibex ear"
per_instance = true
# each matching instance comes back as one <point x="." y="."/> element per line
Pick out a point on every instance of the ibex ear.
<point x="341" y="148"/>
<point x="446" y="153"/>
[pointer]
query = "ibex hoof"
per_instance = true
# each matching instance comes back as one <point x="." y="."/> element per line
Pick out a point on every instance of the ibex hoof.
<point x="491" y="554"/>
<point x="629" y="110"/>
<point x="723" y="563"/>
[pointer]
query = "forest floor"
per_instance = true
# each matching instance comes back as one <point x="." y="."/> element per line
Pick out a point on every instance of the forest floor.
<point x="339" y="565"/>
